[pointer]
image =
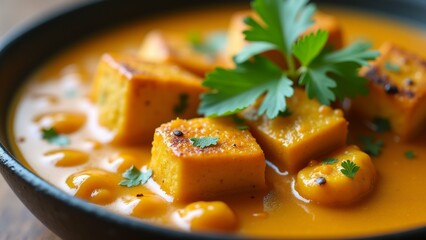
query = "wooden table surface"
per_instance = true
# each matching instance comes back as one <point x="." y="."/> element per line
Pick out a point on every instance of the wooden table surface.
<point x="16" y="222"/>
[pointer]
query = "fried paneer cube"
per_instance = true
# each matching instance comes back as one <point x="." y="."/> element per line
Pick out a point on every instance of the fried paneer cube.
<point x="397" y="83"/>
<point x="188" y="171"/>
<point x="305" y="131"/>
<point x="324" y="182"/>
<point x="163" y="47"/>
<point x="236" y="39"/>
<point x="135" y="97"/>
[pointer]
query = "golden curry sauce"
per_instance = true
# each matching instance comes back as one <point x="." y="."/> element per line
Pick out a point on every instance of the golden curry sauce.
<point x="60" y="90"/>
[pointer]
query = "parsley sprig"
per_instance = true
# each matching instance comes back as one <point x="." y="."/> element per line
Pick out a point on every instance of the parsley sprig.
<point x="326" y="75"/>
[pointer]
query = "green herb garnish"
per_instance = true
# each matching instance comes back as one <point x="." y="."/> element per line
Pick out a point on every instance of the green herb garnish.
<point x="349" y="168"/>
<point x="204" y="142"/>
<point x="242" y="127"/>
<point x="52" y="137"/>
<point x="371" y="146"/>
<point x="183" y="104"/>
<point x="381" y="125"/>
<point x="240" y="123"/>
<point x="409" y="154"/>
<point x="391" y="67"/>
<point x="214" y="42"/>
<point x="326" y="75"/>
<point x="134" y="177"/>
<point x="329" y="161"/>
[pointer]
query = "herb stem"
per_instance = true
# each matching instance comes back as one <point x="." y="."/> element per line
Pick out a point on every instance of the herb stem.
<point x="291" y="65"/>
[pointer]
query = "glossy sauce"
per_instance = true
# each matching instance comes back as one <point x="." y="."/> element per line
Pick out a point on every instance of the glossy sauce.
<point x="62" y="86"/>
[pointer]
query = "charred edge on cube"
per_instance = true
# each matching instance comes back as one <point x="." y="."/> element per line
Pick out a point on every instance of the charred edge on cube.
<point x="129" y="68"/>
<point x="373" y="74"/>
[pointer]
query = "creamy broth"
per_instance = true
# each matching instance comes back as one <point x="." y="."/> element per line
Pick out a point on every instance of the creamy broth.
<point x="63" y="84"/>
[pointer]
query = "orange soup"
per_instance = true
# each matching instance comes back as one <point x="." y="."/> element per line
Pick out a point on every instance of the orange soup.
<point x="59" y="95"/>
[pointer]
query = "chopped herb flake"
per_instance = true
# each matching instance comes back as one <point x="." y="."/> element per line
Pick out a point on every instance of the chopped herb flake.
<point x="213" y="43"/>
<point x="204" y="142"/>
<point x="237" y="119"/>
<point x="134" y="177"/>
<point x="349" y="169"/>
<point x="371" y="146"/>
<point x="239" y="122"/>
<point x="381" y="125"/>
<point x="391" y="67"/>
<point x="52" y="137"/>
<point x="243" y="127"/>
<point x="286" y="113"/>
<point x="183" y="104"/>
<point x="329" y="161"/>
<point x="409" y="154"/>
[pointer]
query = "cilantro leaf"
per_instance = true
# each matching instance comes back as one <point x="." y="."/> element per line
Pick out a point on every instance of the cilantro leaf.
<point x="325" y="74"/>
<point x="134" y="177"/>
<point x="319" y="84"/>
<point x="409" y="154"/>
<point x="309" y="47"/>
<point x="52" y="137"/>
<point x="283" y="21"/>
<point x="381" y="125"/>
<point x="236" y="89"/>
<point x="253" y="49"/>
<point x="204" y="142"/>
<point x="335" y="74"/>
<point x="349" y="169"/>
<point x="329" y="161"/>
<point x="371" y="146"/>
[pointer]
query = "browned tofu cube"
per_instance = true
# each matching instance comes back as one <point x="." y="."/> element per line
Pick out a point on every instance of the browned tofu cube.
<point x="234" y="163"/>
<point x="397" y="83"/>
<point x="308" y="130"/>
<point x="135" y="97"/>
<point x="236" y="40"/>
<point x="163" y="47"/>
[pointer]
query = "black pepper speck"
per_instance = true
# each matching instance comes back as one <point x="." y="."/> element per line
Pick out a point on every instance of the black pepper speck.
<point x="391" y="89"/>
<point x="320" y="181"/>
<point x="409" y="82"/>
<point x="178" y="133"/>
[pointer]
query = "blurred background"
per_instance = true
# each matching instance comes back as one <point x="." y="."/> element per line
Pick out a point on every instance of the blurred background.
<point x="16" y="222"/>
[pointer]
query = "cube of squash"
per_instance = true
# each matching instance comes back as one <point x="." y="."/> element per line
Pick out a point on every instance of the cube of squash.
<point x="236" y="39"/>
<point x="189" y="172"/>
<point x="397" y="83"/>
<point x="160" y="47"/>
<point x="308" y="130"/>
<point x="135" y="97"/>
<point x="324" y="182"/>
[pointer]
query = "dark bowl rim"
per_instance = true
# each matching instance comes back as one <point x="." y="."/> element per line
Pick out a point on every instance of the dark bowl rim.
<point x="14" y="166"/>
